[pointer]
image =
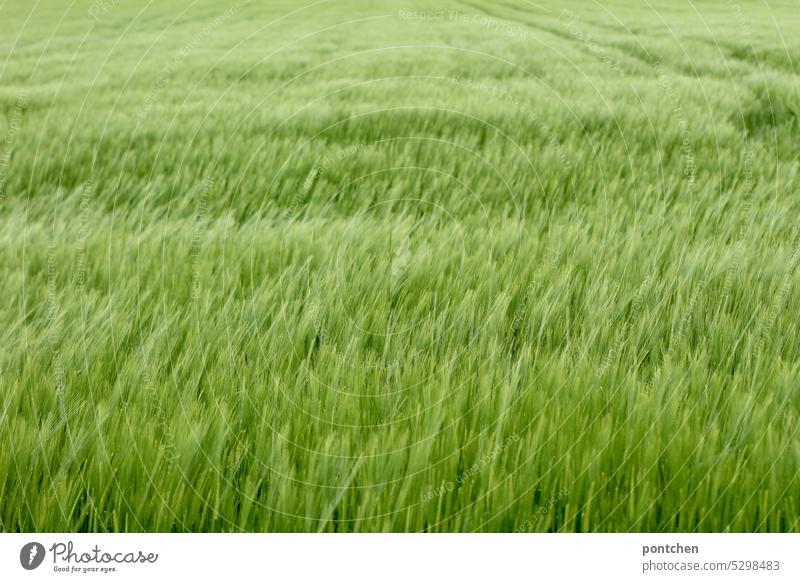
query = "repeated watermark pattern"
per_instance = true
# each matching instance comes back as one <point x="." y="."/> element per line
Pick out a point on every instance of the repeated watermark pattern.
<point x="744" y="27"/>
<point x="54" y="319"/>
<point x="100" y="8"/>
<point x="624" y="333"/>
<point x="173" y="65"/>
<point x="778" y="299"/>
<point x="690" y="166"/>
<point x="472" y="471"/>
<point x="83" y="232"/>
<point x="677" y="339"/>
<point x="400" y="260"/>
<point x="571" y="20"/>
<point x="167" y="446"/>
<point x="194" y="246"/>
<point x="498" y="91"/>
<point x="511" y="29"/>
<point x="541" y="511"/>
<point x="321" y="338"/>
<point x="316" y="172"/>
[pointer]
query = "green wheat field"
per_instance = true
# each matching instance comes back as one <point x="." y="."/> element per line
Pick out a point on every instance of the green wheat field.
<point x="396" y="267"/>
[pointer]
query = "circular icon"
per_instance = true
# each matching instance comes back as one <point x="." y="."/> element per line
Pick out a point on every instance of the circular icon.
<point x="31" y="555"/>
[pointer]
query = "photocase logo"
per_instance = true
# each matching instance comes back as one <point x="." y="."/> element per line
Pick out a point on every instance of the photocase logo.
<point x="31" y="555"/>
